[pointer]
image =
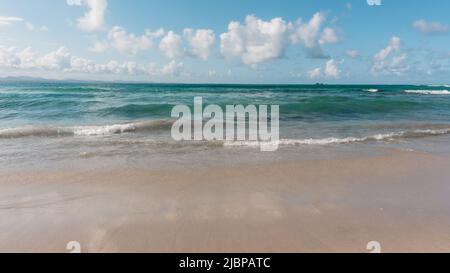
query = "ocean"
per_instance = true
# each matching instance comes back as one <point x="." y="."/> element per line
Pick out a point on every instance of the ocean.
<point x="95" y="125"/>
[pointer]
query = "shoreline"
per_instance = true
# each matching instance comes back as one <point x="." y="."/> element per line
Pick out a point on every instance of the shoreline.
<point x="337" y="205"/>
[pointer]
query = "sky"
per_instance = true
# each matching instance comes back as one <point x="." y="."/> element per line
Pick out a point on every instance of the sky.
<point x="228" y="41"/>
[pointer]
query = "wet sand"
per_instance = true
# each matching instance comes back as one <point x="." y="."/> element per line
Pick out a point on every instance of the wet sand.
<point x="400" y="200"/>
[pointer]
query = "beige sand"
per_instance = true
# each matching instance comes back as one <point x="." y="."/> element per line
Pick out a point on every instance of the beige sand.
<point x="401" y="200"/>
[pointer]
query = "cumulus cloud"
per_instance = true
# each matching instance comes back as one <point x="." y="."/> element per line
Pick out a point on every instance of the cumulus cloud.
<point x="196" y="43"/>
<point x="29" y="59"/>
<point x="56" y="60"/>
<point x="173" y="68"/>
<point x="82" y="65"/>
<point x="391" y="59"/>
<point x="311" y="36"/>
<point x="128" y="43"/>
<point x="94" y="18"/>
<point x="253" y="42"/>
<point x="331" y="70"/>
<point x="314" y="73"/>
<point x="200" y="42"/>
<point x="430" y="27"/>
<point x="329" y="36"/>
<point x="61" y="60"/>
<point x="172" y="45"/>
<point x="256" y="41"/>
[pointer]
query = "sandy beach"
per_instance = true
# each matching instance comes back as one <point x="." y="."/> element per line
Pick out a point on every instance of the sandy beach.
<point x="399" y="199"/>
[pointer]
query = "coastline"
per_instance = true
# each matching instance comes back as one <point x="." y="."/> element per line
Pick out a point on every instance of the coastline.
<point x="339" y="205"/>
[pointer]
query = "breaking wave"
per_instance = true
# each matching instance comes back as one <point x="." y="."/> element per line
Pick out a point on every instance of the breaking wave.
<point x="428" y="92"/>
<point x="155" y="125"/>
<point x="372" y="90"/>
<point x="348" y="140"/>
<point x="103" y="130"/>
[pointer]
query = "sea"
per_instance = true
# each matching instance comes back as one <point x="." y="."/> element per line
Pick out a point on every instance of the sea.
<point x="105" y="125"/>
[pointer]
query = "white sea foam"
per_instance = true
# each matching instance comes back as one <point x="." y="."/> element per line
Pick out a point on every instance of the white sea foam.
<point x="428" y="92"/>
<point x="89" y="131"/>
<point x="372" y="90"/>
<point x="102" y="130"/>
<point x="347" y="140"/>
<point x="440" y="85"/>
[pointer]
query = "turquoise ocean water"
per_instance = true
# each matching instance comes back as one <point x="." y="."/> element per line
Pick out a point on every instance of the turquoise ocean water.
<point x="102" y="123"/>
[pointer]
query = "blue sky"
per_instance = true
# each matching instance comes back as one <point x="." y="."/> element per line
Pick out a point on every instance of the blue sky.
<point x="246" y="41"/>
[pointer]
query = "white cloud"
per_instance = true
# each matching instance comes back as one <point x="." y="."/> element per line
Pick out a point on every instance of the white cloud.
<point x="315" y="73"/>
<point x="8" y="20"/>
<point x="82" y="65"/>
<point x="332" y="69"/>
<point x="173" y="68"/>
<point x="28" y="59"/>
<point x="393" y="46"/>
<point x="200" y="42"/>
<point x="310" y="36"/>
<point x="329" y="36"/>
<point x="94" y="18"/>
<point x="172" y="45"/>
<point x="307" y="33"/>
<point x="62" y="61"/>
<point x="56" y="60"/>
<point x="391" y="59"/>
<point x="255" y="42"/>
<point x="430" y="27"/>
<point x="128" y="43"/>
<point x="24" y="59"/>
<point x="259" y="41"/>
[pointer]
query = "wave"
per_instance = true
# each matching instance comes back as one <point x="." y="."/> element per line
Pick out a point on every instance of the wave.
<point x="34" y="131"/>
<point x="154" y="125"/>
<point x="103" y="130"/>
<point x="428" y="92"/>
<point x="347" y="140"/>
<point x="372" y="90"/>
<point x="440" y="85"/>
